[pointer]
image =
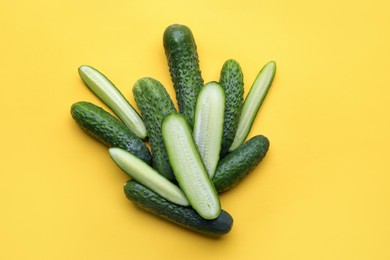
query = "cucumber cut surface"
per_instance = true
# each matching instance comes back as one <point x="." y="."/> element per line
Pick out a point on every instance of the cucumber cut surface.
<point x="107" y="92"/>
<point x="208" y="125"/>
<point x="188" y="167"/>
<point x="253" y="102"/>
<point x="146" y="175"/>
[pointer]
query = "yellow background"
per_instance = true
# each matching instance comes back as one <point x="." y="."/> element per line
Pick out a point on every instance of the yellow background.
<point x="322" y="192"/>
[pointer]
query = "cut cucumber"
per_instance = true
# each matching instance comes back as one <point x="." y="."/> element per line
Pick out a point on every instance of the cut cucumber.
<point x="208" y="126"/>
<point x="185" y="217"/>
<point x="146" y="175"/>
<point x="253" y="102"/>
<point x="188" y="167"/>
<point x="106" y="91"/>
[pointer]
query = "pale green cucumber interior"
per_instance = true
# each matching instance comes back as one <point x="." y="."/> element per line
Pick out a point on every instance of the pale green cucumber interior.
<point x="208" y="124"/>
<point x="253" y="102"/>
<point x="105" y="90"/>
<point x="146" y="175"/>
<point x="188" y="167"/>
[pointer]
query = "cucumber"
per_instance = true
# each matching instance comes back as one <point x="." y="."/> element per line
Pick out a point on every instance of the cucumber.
<point x="109" y="130"/>
<point x="183" y="62"/>
<point x="253" y="102"/>
<point x="146" y="175"/>
<point x="154" y="104"/>
<point x="188" y="167"/>
<point x="208" y="126"/>
<point x="106" y="91"/>
<point x="185" y="217"/>
<point x="235" y="166"/>
<point x="232" y="81"/>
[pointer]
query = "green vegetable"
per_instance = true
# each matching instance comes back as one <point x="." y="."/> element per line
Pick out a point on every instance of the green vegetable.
<point x="232" y="81"/>
<point x="105" y="90"/>
<point x="188" y="167"/>
<point x="183" y="216"/>
<point x="208" y="125"/>
<point x="146" y="175"/>
<point x="154" y="104"/>
<point x="181" y="52"/>
<point x="253" y="102"/>
<point x="235" y="166"/>
<point x="109" y="130"/>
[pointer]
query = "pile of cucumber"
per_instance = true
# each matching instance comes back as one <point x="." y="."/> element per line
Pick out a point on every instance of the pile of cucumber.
<point x="195" y="153"/>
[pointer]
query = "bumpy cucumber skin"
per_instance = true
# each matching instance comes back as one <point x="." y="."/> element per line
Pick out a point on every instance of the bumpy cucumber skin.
<point x="183" y="216"/>
<point x="232" y="81"/>
<point x="232" y="169"/>
<point x="154" y="104"/>
<point x="183" y="61"/>
<point x="109" y="130"/>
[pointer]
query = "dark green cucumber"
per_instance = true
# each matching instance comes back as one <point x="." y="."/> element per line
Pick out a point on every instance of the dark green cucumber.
<point x="109" y="130"/>
<point x="183" y="61"/>
<point x="235" y="166"/>
<point x="154" y="104"/>
<point x="232" y="81"/>
<point x="185" y="217"/>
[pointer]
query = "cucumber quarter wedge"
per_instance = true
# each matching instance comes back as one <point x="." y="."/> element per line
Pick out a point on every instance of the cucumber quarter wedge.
<point x="188" y="167"/>
<point x="208" y="125"/>
<point x="146" y="175"/>
<point x="253" y="102"/>
<point x="106" y="91"/>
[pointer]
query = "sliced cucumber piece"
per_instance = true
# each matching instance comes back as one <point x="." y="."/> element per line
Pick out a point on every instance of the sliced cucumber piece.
<point x="208" y="125"/>
<point x="253" y="102"/>
<point x="106" y="91"/>
<point x="146" y="175"/>
<point x="188" y="167"/>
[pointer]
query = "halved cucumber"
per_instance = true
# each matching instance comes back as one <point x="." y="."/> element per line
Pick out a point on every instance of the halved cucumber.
<point x="146" y="175"/>
<point x="106" y="91"/>
<point x="208" y="125"/>
<point x="188" y="167"/>
<point x="253" y="102"/>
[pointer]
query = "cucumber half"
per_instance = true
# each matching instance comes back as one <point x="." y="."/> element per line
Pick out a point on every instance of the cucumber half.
<point x="188" y="167"/>
<point x="106" y="91"/>
<point x="208" y="125"/>
<point x="146" y="175"/>
<point x="253" y="102"/>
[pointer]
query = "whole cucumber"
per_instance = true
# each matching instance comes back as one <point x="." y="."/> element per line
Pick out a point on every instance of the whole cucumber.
<point x="186" y="217"/>
<point x="232" y="81"/>
<point x="183" y="61"/>
<point x="235" y="166"/>
<point x="154" y="104"/>
<point x="109" y="130"/>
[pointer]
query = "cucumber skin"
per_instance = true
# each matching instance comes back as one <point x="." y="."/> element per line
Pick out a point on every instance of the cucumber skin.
<point x="183" y="216"/>
<point x="109" y="130"/>
<point x="232" y="81"/>
<point x="183" y="62"/>
<point x="232" y="169"/>
<point x="154" y="104"/>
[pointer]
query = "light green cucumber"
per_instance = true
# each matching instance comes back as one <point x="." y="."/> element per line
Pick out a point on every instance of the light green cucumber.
<point x="109" y="130"/>
<point x="146" y="175"/>
<point x="106" y="91"/>
<point x="237" y="165"/>
<point x="185" y="217"/>
<point x="232" y="81"/>
<point x="183" y="61"/>
<point x="154" y="104"/>
<point x="188" y="167"/>
<point x="208" y="125"/>
<point x="253" y="102"/>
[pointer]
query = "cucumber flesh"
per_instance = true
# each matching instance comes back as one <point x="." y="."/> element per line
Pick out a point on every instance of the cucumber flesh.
<point x="146" y="175"/>
<point x="253" y="102"/>
<point x="106" y="91"/>
<point x="208" y="125"/>
<point x="188" y="167"/>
